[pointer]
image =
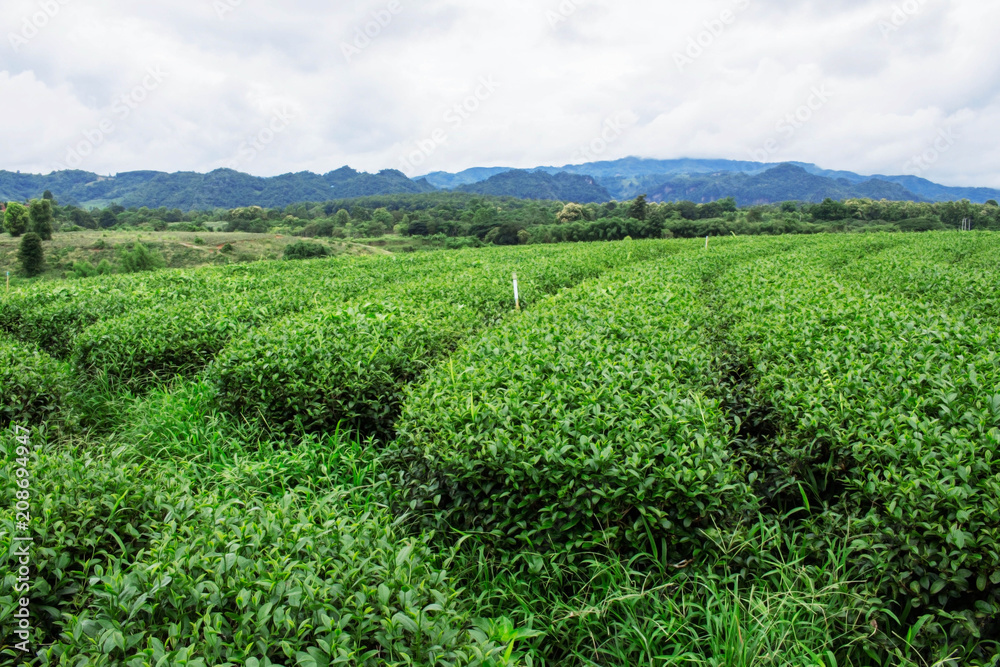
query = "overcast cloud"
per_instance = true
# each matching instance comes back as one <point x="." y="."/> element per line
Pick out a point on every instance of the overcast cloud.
<point x="870" y="86"/>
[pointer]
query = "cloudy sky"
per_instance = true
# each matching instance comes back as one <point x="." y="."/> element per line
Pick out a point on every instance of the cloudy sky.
<point x="873" y="86"/>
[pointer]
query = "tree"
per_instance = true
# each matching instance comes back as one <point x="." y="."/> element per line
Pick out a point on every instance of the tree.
<point x="507" y="234"/>
<point x="361" y="213"/>
<point x="830" y="211"/>
<point x="687" y="209"/>
<point x="342" y="218"/>
<point x="40" y="213"/>
<point x="15" y="220"/>
<point x="993" y="203"/>
<point x="382" y="221"/>
<point x="638" y="209"/>
<point x="571" y="213"/>
<point x="107" y="219"/>
<point x="31" y="255"/>
<point x="48" y="196"/>
<point x="83" y="219"/>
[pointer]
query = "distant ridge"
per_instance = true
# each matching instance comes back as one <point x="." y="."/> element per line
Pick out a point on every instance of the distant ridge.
<point x="632" y="176"/>
<point x="664" y="180"/>
<point x="541" y="185"/>
<point x="222" y="188"/>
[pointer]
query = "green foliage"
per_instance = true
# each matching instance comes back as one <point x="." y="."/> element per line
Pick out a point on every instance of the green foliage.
<point x="107" y="219"/>
<point x="83" y="219"/>
<point x="139" y="258"/>
<point x="83" y="269"/>
<point x="31" y="255"/>
<point x="770" y="449"/>
<point x="830" y="210"/>
<point x="639" y="208"/>
<point x="40" y="213"/>
<point x="541" y="185"/>
<point x="885" y="409"/>
<point x="15" y="219"/>
<point x="212" y="571"/>
<point x="352" y="362"/>
<point x="305" y="250"/>
<point x="925" y="224"/>
<point x="586" y="454"/>
<point x="32" y="385"/>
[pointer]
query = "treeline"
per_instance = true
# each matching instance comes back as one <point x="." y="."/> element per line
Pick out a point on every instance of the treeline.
<point x="462" y="219"/>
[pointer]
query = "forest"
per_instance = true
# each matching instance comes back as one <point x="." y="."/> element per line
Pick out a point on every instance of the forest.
<point x="452" y="219"/>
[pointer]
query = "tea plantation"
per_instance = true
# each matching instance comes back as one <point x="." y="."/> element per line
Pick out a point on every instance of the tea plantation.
<point x="770" y="451"/>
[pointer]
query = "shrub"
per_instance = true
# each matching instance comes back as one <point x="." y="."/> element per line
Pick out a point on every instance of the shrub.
<point x="320" y="228"/>
<point x="83" y="269"/>
<point x="220" y="575"/>
<point x="32" y="385"/>
<point x="247" y="226"/>
<point x="885" y="410"/>
<point x="139" y="258"/>
<point x="305" y="250"/>
<point x="31" y="255"/>
<point x="584" y="423"/>
<point x="925" y="224"/>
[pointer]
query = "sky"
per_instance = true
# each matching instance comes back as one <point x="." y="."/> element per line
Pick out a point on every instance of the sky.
<point x="871" y="86"/>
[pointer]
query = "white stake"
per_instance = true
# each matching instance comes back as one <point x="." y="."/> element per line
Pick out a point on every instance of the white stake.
<point x="706" y="243"/>
<point x="517" y="296"/>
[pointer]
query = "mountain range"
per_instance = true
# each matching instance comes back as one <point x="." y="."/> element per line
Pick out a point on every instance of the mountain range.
<point x="705" y="179"/>
<point x="222" y="188"/>
<point x="748" y="183"/>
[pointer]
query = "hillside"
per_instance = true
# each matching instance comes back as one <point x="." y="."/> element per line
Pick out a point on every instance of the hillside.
<point x="541" y="185"/>
<point x="783" y="183"/>
<point x="222" y="188"/>
<point x="632" y="176"/>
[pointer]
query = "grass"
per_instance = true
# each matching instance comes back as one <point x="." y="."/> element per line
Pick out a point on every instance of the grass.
<point x="761" y="596"/>
<point x="181" y="250"/>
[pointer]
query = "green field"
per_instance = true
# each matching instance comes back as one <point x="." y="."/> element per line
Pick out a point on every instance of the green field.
<point x="770" y="451"/>
<point x="179" y="250"/>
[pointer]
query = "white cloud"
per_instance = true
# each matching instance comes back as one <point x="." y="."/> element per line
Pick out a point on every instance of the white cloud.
<point x="560" y="81"/>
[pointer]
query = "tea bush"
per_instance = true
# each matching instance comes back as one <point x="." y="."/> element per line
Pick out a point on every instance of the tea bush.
<point x="32" y="384"/>
<point x="585" y="423"/>
<point x="887" y="408"/>
<point x="144" y="564"/>
<point x="352" y="363"/>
